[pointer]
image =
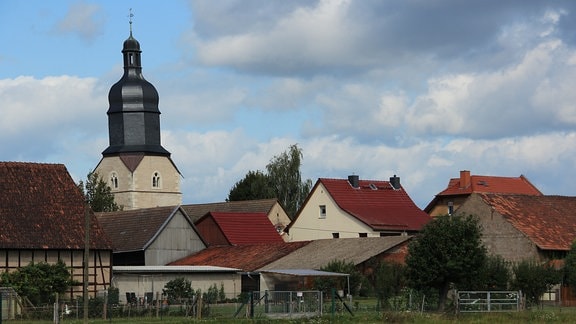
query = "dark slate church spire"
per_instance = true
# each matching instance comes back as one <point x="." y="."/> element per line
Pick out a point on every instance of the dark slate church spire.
<point x="133" y="115"/>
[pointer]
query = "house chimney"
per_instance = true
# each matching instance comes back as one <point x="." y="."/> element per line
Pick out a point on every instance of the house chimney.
<point x="395" y="182"/>
<point x="354" y="181"/>
<point x="464" y="179"/>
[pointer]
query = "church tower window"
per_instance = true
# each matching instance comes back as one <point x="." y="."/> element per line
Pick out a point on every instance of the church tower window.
<point x="156" y="180"/>
<point x="114" y="180"/>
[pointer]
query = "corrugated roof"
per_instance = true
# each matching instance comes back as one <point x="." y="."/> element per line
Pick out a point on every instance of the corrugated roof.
<point x="376" y="204"/>
<point x="42" y="208"/>
<point x="548" y="221"/>
<point x="246" y="257"/>
<point x="320" y="253"/>
<point x="133" y="230"/>
<point x="244" y="228"/>
<point x="195" y="211"/>
<point x="307" y="273"/>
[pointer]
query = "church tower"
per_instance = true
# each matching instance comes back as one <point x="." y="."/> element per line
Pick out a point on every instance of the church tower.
<point x="137" y="168"/>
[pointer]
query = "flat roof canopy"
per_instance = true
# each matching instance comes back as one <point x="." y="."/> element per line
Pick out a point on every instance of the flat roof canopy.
<point x="307" y="273"/>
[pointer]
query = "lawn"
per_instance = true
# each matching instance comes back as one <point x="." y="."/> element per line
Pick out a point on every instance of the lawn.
<point x="549" y="315"/>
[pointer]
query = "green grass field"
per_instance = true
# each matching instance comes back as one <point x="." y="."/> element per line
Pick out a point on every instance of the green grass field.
<point x="552" y="315"/>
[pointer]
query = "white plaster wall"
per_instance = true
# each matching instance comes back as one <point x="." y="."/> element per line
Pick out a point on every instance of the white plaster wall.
<point x="310" y="226"/>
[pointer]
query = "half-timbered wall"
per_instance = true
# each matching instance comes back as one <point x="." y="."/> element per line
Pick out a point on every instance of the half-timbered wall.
<point x="99" y="266"/>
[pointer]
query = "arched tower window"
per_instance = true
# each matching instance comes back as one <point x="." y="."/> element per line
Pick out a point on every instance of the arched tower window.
<point x="156" y="180"/>
<point x="113" y="180"/>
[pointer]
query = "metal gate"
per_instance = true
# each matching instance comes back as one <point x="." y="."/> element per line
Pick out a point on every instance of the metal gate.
<point x="488" y="301"/>
<point x="278" y="304"/>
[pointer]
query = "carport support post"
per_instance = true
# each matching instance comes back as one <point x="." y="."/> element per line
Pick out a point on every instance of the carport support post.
<point x="333" y="292"/>
<point x="252" y="305"/>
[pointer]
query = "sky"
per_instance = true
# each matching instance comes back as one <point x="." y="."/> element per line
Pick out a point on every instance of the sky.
<point x="375" y="88"/>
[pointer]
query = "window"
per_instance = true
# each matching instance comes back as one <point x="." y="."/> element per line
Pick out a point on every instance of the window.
<point x="322" y="211"/>
<point x="450" y="208"/>
<point x="335" y="235"/>
<point x="114" y="180"/>
<point x="362" y="234"/>
<point x="156" y="180"/>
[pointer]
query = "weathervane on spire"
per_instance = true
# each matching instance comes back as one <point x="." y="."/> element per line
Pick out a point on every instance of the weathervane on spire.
<point x="130" y="15"/>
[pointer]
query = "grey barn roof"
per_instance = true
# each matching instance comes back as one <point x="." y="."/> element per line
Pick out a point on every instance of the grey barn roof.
<point x="320" y="253"/>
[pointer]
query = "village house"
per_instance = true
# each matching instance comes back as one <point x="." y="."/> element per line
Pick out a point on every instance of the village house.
<point x="150" y="236"/>
<point x="524" y="227"/>
<point x="271" y="207"/>
<point x="459" y="189"/>
<point x="43" y="219"/>
<point x="527" y="227"/>
<point x="347" y="208"/>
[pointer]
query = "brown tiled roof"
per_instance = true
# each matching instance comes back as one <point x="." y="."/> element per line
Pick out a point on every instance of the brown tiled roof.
<point x="491" y="184"/>
<point x="320" y="253"/>
<point x="548" y="221"/>
<point x="195" y="211"/>
<point x="134" y="230"/>
<point x="42" y="208"/>
<point x="246" y="257"/>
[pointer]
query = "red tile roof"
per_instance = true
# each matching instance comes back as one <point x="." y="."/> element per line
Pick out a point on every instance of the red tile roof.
<point x="42" y="208"/>
<point x="248" y="257"/>
<point x="548" y="221"/>
<point x="195" y="211"/>
<point x="490" y="184"/>
<point x="242" y="228"/>
<point x="376" y="203"/>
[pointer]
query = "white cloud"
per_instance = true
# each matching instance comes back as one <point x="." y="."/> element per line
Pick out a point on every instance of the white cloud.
<point x="83" y="19"/>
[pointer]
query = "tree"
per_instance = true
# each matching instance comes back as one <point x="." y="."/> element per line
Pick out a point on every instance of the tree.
<point x="39" y="282"/>
<point x="325" y="284"/>
<point x="97" y="193"/>
<point x="283" y="181"/>
<point x="448" y="251"/>
<point x="570" y="267"/>
<point x="494" y="275"/>
<point x="178" y="289"/>
<point x="388" y="279"/>
<point x="534" y="279"/>
<point x="255" y="185"/>
<point x="284" y="173"/>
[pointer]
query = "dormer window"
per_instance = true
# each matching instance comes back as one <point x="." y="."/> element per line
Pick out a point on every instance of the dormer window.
<point x="113" y="180"/>
<point x="156" y="180"/>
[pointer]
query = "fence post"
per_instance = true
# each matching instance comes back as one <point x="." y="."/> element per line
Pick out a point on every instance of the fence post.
<point x="1" y="306"/>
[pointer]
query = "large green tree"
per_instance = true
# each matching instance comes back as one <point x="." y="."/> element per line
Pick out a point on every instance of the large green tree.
<point x="282" y="180"/>
<point x="255" y="185"/>
<point x="97" y="193"/>
<point x="447" y="252"/>
<point x="39" y="282"/>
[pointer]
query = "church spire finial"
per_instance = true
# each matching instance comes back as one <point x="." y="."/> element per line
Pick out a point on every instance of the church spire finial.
<point x="130" y="15"/>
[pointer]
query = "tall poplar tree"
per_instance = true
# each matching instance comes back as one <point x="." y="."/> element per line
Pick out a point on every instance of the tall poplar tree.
<point x="282" y="180"/>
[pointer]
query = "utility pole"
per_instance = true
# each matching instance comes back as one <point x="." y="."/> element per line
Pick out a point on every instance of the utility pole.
<point x="86" y="258"/>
